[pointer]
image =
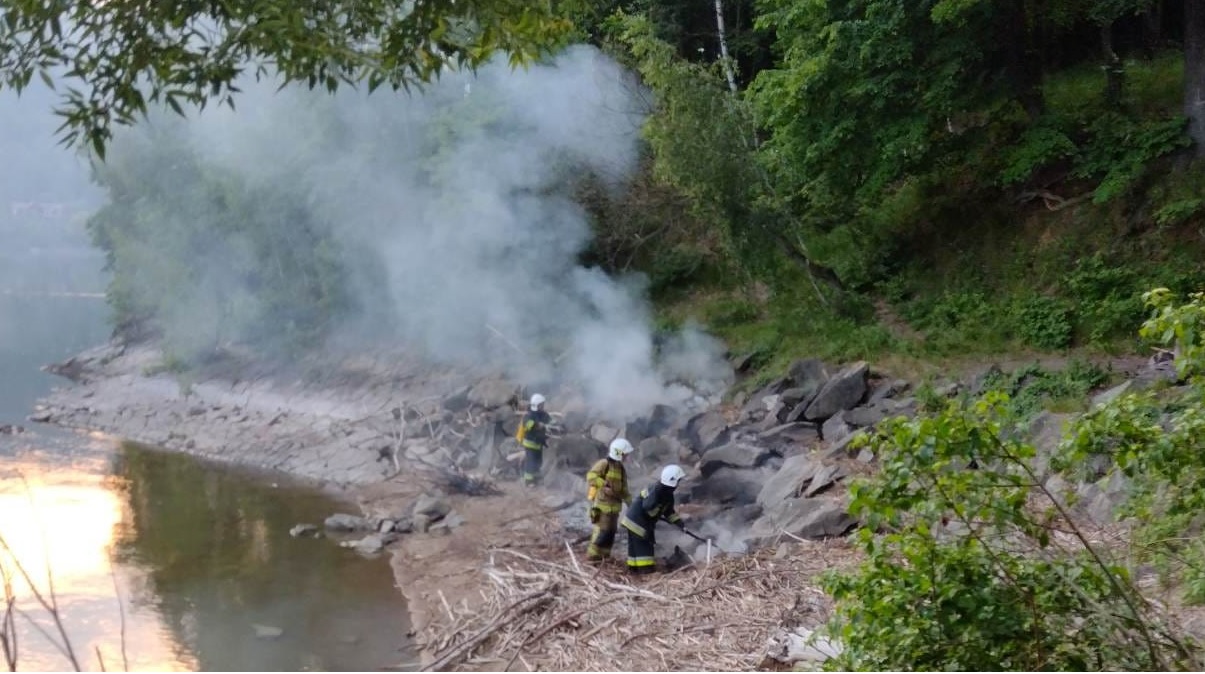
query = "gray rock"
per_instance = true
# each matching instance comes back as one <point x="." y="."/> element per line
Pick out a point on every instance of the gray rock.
<point x="774" y="418"/>
<point x="824" y="478"/>
<point x="344" y="522"/>
<point x="792" y="433"/>
<point x="706" y="430"/>
<point x="657" y="450"/>
<point x="788" y="482"/>
<point x="801" y="649"/>
<point x="889" y="391"/>
<point x="793" y="396"/>
<point x="266" y="631"/>
<point x="492" y="393"/>
<point x="575" y="452"/>
<point x="458" y="401"/>
<point x="809" y="374"/>
<point x="843" y="391"/>
<point x="603" y="433"/>
<point x="309" y="530"/>
<point x="948" y="390"/>
<point x="812" y="518"/>
<point x="431" y="506"/>
<point x="872" y="413"/>
<point x="742" y="362"/>
<point x="371" y="544"/>
<point x="1045" y="432"/>
<point x="574" y="422"/>
<point x="729" y="486"/>
<point x="451" y="522"/>
<point x="1102" y="399"/>
<point x="979" y="381"/>
<point x="735" y="455"/>
<point x="764" y="398"/>
<point x="835" y="428"/>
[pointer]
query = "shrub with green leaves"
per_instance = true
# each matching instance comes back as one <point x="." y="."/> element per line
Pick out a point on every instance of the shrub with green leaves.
<point x="971" y="564"/>
<point x="1156" y="439"/>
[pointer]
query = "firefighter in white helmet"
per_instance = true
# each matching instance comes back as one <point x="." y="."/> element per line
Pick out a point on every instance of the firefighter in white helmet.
<point x="654" y="503"/>
<point x="607" y="491"/>
<point x="533" y="437"/>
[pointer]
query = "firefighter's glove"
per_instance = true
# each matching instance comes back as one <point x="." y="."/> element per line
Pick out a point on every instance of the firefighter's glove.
<point x="608" y="491"/>
<point x="595" y="515"/>
<point x="681" y="524"/>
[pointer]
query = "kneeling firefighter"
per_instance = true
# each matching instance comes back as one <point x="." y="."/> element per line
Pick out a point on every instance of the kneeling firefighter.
<point x="608" y="491"/>
<point x="654" y="503"/>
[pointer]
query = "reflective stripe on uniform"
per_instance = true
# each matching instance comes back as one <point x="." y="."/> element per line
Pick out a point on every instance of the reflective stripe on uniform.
<point x="637" y="562"/>
<point x="609" y="507"/>
<point x="530" y="444"/>
<point x="631" y="526"/>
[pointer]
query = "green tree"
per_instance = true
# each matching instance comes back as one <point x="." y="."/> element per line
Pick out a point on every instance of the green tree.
<point x="973" y="564"/>
<point x="122" y="55"/>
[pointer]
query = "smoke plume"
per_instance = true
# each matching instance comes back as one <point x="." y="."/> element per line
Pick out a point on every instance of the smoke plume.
<point x="460" y="234"/>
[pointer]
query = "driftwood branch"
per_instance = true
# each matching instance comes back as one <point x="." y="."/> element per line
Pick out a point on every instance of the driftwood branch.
<point x="460" y="651"/>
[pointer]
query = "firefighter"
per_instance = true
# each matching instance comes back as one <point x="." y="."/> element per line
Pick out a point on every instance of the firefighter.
<point x="533" y="437"/>
<point x="608" y="491"/>
<point x="654" y="503"/>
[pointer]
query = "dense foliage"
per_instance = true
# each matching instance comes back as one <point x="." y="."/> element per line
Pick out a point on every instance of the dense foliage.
<point x="976" y="559"/>
<point x="121" y="55"/>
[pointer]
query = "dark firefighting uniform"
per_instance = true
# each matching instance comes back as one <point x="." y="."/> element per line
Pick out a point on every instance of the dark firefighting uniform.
<point x="654" y="503"/>
<point x="535" y="439"/>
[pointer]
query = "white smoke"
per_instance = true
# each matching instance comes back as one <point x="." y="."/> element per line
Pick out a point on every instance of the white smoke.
<point x="457" y="190"/>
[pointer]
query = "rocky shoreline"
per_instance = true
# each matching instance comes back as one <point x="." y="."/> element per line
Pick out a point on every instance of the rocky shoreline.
<point x="426" y="453"/>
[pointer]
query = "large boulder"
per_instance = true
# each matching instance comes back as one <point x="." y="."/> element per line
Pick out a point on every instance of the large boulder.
<point x="431" y="506"/>
<point x="764" y="399"/>
<point x="734" y="455"/>
<point x="798" y="433"/>
<point x="808" y="378"/>
<point x="728" y="486"/>
<point x="485" y="440"/>
<point x="345" y="522"/>
<point x="843" y="391"/>
<point x="812" y="518"/>
<point x="1045" y="432"/>
<point x="789" y="481"/>
<point x="890" y="390"/>
<point x="492" y="393"/>
<point x="576" y="452"/>
<point x="604" y="433"/>
<point x="458" y="400"/>
<point x="706" y="430"/>
<point x="656" y="451"/>
<point x="835" y="428"/>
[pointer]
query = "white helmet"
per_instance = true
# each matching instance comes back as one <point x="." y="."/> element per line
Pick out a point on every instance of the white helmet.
<point x="536" y="401"/>
<point x="671" y="475"/>
<point x="619" y="449"/>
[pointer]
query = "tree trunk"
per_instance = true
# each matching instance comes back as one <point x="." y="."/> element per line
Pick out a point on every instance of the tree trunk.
<point x="1114" y="70"/>
<point x="1025" y="58"/>
<point x="1152" y="29"/>
<point x="1194" y="72"/>
<point x="729" y="74"/>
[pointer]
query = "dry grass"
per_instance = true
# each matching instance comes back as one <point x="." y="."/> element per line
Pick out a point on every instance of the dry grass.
<point x="549" y="611"/>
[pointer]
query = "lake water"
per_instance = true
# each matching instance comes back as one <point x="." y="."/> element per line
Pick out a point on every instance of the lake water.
<point x="159" y="561"/>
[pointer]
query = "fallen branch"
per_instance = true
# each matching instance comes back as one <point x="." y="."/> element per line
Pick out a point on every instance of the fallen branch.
<point x="531" y="600"/>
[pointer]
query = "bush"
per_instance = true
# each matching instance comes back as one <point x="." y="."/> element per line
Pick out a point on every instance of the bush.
<point x="1044" y="322"/>
<point x="960" y="571"/>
